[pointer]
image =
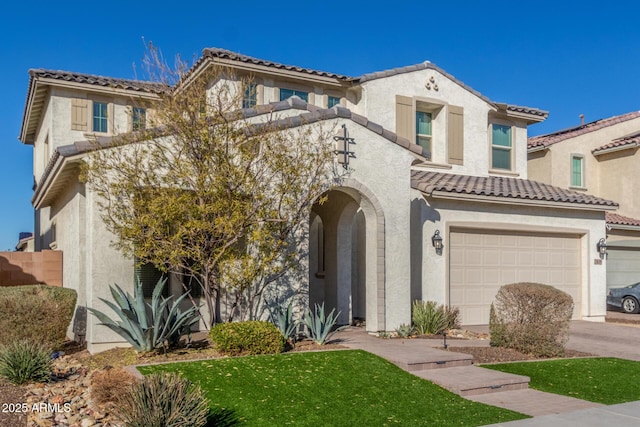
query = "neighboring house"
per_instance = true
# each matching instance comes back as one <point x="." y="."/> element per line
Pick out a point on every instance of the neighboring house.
<point x="26" y="242"/>
<point x="436" y="163"/>
<point x="599" y="158"/>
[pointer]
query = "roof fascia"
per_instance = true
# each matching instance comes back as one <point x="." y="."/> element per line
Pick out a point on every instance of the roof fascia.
<point x="62" y="163"/>
<point x="504" y="201"/>
<point x="614" y="149"/>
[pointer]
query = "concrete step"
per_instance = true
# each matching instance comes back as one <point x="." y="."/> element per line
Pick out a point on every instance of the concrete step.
<point x="430" y="360"/>
<point x="473" y="380"/>
<point x="534" y="402"/>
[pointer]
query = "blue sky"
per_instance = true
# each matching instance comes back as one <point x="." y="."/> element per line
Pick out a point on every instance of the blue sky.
<point x="567" y="57"/>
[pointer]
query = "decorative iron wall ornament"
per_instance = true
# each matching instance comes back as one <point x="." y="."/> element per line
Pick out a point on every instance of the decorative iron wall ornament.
<point x="343" y="145"/>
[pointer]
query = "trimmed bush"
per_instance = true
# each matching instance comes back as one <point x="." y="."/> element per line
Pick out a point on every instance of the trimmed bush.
<point x="24" y="361"/>
<point x="430" y="318"/>
<point x="163" y="400"/>
<point x="247" y="338"/>
<point x="108" y="384"/>
<point x="37" y="313"/>
<point x="531" y="318"/>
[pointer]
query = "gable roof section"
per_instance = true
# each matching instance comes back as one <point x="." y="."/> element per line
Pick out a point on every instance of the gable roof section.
<point x="227" y="54"/>
<point x="503" y="190"/>
<point x="40" y="79"/>
<point x="629" y="141"/>
<point x="65" y="159"/>
<point x="614" y="219"/>
<point x="543" y="141"/>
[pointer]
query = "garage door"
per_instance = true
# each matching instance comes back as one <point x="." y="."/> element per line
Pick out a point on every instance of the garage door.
<point x="623" y="266"/>
<point x="482" y="260"/>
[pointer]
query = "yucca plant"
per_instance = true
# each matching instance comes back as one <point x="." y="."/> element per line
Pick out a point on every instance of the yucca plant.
<point x="430" y="318"/>
<point x="163" y="400"/>
<point x="282" y="317"/>
<point x="147" y="326"/>
<point x="318" y="326"/>
<point x="25" y="361"/>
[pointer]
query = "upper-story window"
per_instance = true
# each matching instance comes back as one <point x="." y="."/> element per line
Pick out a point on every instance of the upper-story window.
<point x="332" y="101"/>
<point x="423" y="130"/>
<point x="139" y="118"/>
<point x="288" y="93"/>
<point x="501" y="146"/>
<point x="250" y="98"/>
<point x="100" y="118"/>
<point x="577" y="170"/>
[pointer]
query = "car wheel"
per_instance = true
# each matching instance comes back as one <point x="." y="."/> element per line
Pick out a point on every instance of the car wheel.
<point x="630" y="305"/>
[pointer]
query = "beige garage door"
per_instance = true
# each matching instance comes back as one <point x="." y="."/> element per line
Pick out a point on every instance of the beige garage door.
<point x="483" y="260"/>
<point x="623" y="266"/>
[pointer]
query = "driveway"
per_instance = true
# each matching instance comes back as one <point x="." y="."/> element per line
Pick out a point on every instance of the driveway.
<point x="605" y="339"/>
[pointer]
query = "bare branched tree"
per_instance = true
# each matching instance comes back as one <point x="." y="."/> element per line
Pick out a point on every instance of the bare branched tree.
<point x="206" y="193"/>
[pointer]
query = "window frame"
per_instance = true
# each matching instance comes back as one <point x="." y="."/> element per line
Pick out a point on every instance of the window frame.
<point x="306" y="92"/>
<point x="419" y="135"/>
<point x="135" y="123"/>
<point x="509" y="148"/>
<point x="334" y="98"/>
<point x="582" y="185"/>
<point x="94" y="117"/>
<point x="250" y="96"/>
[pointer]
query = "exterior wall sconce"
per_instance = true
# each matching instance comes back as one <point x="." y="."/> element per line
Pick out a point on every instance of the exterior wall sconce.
<point x="602" y="247"/>
<point x="436" y="240"/>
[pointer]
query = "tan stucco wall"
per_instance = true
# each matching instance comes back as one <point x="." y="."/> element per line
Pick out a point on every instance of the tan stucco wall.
<point x="440" y="214"/>
<point x="606" y="176"/>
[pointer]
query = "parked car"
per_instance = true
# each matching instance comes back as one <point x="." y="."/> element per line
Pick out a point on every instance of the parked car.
<point x="626" y="298"/>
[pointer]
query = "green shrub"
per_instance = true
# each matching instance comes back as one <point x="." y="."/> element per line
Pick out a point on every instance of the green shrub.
<point x="37" y="313"/>
<point x="25" y="361"/>
<point x="318" y="326"/>
<point x="162" y="400"/>
<point x="246" y="338"/>
<point x="430" y="318"/>
<point x="531" y="318"/>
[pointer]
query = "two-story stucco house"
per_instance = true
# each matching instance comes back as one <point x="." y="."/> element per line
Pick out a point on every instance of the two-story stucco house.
<point x="600" y="158"/>
<point x="435" y="163"/>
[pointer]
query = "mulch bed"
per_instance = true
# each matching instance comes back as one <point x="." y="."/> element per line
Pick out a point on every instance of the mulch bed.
<point x="12" y="395"/>
<point x="499" y="355"/>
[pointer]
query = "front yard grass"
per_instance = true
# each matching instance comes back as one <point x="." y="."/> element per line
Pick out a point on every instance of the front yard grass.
<point x="337" y="388"/>
<point x="602" y="380"/>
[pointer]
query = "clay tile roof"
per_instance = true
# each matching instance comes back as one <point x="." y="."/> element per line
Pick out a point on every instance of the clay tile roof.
<point x="561" y="135"/>
<point x="628" y="141"/>
<point x="616" y="219"/>
<point x="135" y="85"/>
<point x="501" y="187"/>
<point x="527" y="110"/>
<point x="227" y="54"/>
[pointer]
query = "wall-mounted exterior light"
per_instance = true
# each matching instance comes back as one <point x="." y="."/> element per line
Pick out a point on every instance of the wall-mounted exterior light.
<point x="602" y="247"/>
<point x="436" y="240"/>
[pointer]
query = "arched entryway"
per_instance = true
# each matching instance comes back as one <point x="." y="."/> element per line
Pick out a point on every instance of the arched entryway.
<point x="346" y="257"/>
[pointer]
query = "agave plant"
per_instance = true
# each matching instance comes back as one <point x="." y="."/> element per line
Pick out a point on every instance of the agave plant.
<point x="146" y="330"/>
<point x="319" y="326"/>
<point x="282" y="317"/>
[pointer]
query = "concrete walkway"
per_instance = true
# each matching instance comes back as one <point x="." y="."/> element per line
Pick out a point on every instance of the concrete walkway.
<point x="455" y="372"/>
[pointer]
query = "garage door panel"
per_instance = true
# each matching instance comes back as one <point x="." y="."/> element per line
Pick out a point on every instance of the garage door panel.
<point x="491" y="259"/>
<point x="623" y="266"/>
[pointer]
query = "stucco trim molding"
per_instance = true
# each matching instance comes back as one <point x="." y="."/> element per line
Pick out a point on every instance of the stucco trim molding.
<point x="380" y="247"/>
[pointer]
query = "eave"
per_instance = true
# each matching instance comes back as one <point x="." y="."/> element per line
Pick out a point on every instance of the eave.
<point x="62" y="170"/>
<point x="517" y="201"/>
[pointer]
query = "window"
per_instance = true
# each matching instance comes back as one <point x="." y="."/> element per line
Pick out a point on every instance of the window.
<point x="149" y="275"/>
<point x="288" y="93"/>
<point x="501" y="147"/>
<point x="100" y="117"/>
<point x="423" y="130"/>
<point x="332" y="101"/>
<point x="577" y="170"/>
<point x="250" y="98"/>
<point x="139" y="118"/>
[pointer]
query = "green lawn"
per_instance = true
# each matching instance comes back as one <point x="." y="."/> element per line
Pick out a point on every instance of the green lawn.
<point x="602" y="380"/>
<point x="333" y="388"/>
